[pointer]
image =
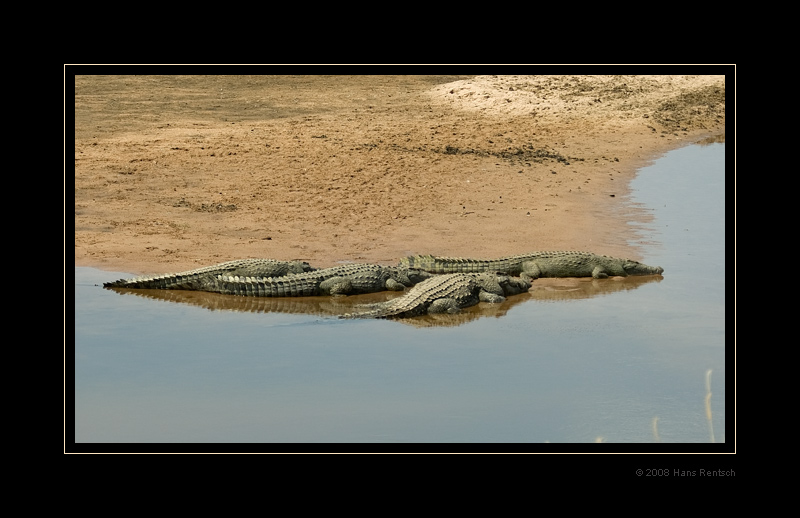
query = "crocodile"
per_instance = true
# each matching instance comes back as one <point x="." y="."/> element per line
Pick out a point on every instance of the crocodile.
<point x="347" y="279"/>
<point x="537" y="264"/>
<point x="203" y="279"/>
<point x="447" y="293"/>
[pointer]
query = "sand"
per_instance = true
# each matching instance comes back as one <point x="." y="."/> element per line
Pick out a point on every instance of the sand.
<point x="178" y="172"/>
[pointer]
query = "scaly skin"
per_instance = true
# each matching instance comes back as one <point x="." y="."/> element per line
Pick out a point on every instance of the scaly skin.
<point x="537" y="264"/>
<point x="447" y="293"/>
<point x="347" y="279"/>
<point x="201" y="279"/>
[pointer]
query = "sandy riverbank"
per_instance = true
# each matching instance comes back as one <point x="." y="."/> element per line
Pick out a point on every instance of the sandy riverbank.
<point x="177" y="172"/>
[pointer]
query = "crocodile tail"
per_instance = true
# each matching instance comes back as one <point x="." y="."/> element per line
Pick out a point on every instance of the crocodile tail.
<point x="417" y="261"/>
<point x="160" y="282"/>
<point x="414" y="261"/>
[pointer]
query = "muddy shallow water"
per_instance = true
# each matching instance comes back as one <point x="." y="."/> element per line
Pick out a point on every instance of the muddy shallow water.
<point x="636" y="360"/>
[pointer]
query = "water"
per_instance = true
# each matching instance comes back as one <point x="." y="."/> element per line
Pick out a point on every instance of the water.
<point x="615" y="361"/>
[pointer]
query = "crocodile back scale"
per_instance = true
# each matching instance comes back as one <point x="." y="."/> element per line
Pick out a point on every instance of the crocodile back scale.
<point x="447" y="293"/>
<point x="347" y="279"/>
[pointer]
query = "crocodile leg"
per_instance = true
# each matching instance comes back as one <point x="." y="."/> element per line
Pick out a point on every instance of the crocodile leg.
<point x="494" y="298"/>
<point x="336" y="286"/>
<point x="393" y="285"/>
<point x="530" y="271"/>
<point x="445" y="305"/>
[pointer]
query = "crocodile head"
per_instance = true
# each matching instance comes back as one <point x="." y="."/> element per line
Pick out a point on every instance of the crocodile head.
<point x="413" y="276"/>
<point x="513" y="285"/>
<point x="636" y="268"/>
<point x="300" y="267"/>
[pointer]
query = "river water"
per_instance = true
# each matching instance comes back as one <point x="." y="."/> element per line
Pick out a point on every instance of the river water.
<point x="618" y="361"/>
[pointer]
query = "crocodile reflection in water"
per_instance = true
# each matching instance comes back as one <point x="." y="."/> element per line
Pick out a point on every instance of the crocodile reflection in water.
<point x="543" y="290"/>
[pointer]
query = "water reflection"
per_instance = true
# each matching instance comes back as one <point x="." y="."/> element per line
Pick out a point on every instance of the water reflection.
<point x="714" y="139"/>
<point x="546" y="290"/>
<point x="708" y="413"/>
